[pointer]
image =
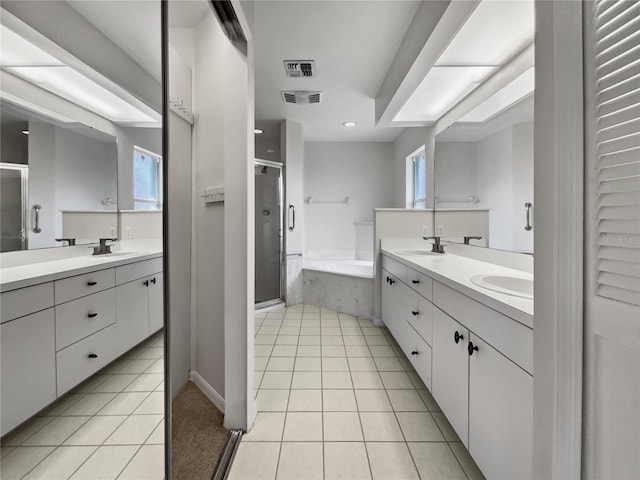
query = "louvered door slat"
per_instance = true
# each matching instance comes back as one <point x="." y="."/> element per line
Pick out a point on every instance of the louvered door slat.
<point x="628" y="74"/>
<point x="619" y="88"/>
<point x="619" y="199"/>
<point x="618" y="47"/>
<point x="619" y="117"/>
<point x="610" y="19"/>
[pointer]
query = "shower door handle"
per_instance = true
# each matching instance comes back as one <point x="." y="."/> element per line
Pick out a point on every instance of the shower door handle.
<point x="527" y="207"/>
<point x="36" y="209"/>
<point x="292" y="217"/>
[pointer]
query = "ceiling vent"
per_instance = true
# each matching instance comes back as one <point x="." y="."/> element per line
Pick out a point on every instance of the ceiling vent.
<point x="302" y="97"/>
<point x="299" y="68"/>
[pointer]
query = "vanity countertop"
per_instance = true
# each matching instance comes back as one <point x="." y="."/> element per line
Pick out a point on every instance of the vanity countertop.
<point x="456" y="271"/>
<point x="20" y="276"/>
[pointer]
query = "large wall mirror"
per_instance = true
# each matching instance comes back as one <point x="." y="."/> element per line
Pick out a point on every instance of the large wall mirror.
<point x="484" y="165"/>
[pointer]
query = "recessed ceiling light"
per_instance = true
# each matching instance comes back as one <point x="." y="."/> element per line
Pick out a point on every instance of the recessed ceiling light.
<point x="349" y="124"/>
<point x="258" y="131"/>
<point x="26" y="132"/>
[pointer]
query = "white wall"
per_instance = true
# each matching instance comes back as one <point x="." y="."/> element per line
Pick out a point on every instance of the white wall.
<point x="333" y="171"/>
<point x="42" y="190"/>
<point x="455" y="172"/>
<point x="522" y="185"/>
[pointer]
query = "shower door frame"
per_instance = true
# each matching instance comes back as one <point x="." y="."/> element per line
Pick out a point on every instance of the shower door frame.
<point x="280" y="167"/>
<point x="24" y="194"/>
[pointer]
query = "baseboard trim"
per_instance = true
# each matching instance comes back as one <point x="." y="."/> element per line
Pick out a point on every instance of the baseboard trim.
<point x="207" y="389"/>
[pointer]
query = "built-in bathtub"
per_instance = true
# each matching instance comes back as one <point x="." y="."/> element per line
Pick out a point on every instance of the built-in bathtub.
<point x="338" y="284"/>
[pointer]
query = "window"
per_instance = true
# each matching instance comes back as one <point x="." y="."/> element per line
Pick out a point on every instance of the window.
<point x="146" y="180"/>
<point x="419" y="189"/>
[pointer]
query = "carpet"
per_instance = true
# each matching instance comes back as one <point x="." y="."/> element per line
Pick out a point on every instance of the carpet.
<point x="198" y="437"/>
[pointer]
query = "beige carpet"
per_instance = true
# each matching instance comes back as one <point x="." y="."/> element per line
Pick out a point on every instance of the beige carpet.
<point x="198" y="436"/>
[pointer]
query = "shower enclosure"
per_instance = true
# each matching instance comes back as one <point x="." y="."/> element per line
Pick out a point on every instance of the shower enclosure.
<point x="13" y="206"/>
<point x="268" y="233"/>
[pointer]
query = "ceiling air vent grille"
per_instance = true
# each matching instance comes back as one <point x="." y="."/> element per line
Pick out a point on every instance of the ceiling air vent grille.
<point x="299" y="68"/>
<point x="302" y="97"/>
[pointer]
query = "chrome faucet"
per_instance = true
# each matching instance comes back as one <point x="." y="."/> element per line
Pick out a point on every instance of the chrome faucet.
<point x="437" y="246"/>
<point x="70" y="241"/>
<point x="103" y="248"/>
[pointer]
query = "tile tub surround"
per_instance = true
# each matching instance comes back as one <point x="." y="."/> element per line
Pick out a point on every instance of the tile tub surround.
<point x="337" y="399"/>
<point x="339" y="292"/>
<point x="111" y="426"/>
<point x="294" y="294"/>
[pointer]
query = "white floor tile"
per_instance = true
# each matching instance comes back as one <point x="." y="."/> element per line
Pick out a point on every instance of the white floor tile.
<point x="137" y="366"/>
<point x="309" y="340"/>
<point x="300" y="460"/>
<point x="376" y="340"/>
<point x="124" y="403"/>
<point x="327" y="331"/>
<point x="348" y="330"/>
<point x="267" y="427"/>
<point x="357" y="351"/>
<point x="68" y="400"/>
<point x="152" y="353"/>
<point x="260" y="363"/>
<point x="286" y="351"/>
<point x="4" y="451"/>
<point x="419" y="427"/>
<point x="391" y="461"/>
<point x="31" y="427"/>
<point x="332" y="340"/>
<point x="396" y="380"/>
<point x="307" y="364"/>
<point x="389" y="364"/>
<point x="61" y="463"/>
<point x="146" y="382"/>
<point x="21" y="460"/>
<point x="333" y="351"/>
<point x="372" y="331"/>
<point x="436" y="461"/>
<point x="152" y="405"/>
<point x="255" y="461"/>
<point x="265" y="339"/>
<point x="287" y="340"/>
<point x="272" y="400"/>
<point x="308" y="351"/>
<point x="342" y="427"/>
<point x="429" y="401"/>
<point x="257" y="379"/>
<point x="382" y="351"/>
<point x="115" y="383"/>
<point x="417" y="381"/>
<point x="373" y="401"/>
<point x="331" y="364"/>
<point x="147" y="464"/>
<point x="366" y="380"/>
<point x="276" y="380"/>
<point x="380" y="427"/>
<point x="262" y="350"/>
<point x="281" y="364"/>
<point x="96" y="430"/>
<point x="346" y="461"/>
<point x="467" y="463"/>
<point x="90" y="404"/>
<point x="106" y="463"/>
<point x="356" y="341"/>
<point x="338" y="401"/>
<point x="305" y="401"/>
<point x="303" y="427"/>
<point x="134" y="430"/>
<point x="406" y="401"/>
<point x="306" y="380"/>
<point x="336" y="380"/>
<point x="362" y="364"/>
<point x="56" y="431"/>
<point x="89" y="384"/>
<point x="157" y="436"/>
<point x="289" y="330"/>
<point x="447" y="430"/>
<point x="307" y="331"/>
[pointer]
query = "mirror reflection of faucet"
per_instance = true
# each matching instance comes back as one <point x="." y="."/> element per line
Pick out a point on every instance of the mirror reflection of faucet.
<point x="103" y="248"/>
<point x="70" y="241"/>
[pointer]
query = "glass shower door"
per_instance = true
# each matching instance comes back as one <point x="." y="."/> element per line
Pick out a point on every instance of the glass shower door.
<point x="13" y="207"/>
<point x="268" y="232"/>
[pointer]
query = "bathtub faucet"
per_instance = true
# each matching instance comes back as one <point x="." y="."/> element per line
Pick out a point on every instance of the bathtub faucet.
<point x="437" y="246"/>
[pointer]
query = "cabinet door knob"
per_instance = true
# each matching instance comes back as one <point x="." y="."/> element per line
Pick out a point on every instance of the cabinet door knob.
<point x="391" y="281"/>
<point x="146" y="283"/>
<point x="92" y="315"/>
<point x="415" y="282"/>
<point x="92" y="284"/>
<point x="472" y="348"/>
<point x="93" y="355"/>
<point x="153" y="280"/>
<point x="457" y="337"/>
<point x="415" y="352"/>
<point x="415" y="312"/>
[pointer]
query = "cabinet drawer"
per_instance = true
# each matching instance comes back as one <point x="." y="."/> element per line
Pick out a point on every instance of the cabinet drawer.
<point x="80" y="318"/>
<point x="411" y="342"/>
<point x="133" y="271"/>
<point x="420" y="316"/>
<point x="74" y="363"/>
<point x="420" y="283"/>
<point x="508" y="336"/>
<point x="81" y="285"/>
<point x="395" y="268"/>
<point x="23" y="301"/>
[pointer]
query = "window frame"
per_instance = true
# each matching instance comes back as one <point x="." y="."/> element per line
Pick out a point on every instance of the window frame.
<point x="411" y="175"/>
<point x="158" y="200"/>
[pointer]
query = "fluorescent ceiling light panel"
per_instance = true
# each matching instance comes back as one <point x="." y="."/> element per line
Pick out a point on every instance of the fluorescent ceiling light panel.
<point x="495" y="31"/>
<point x="442" y="88"/>
<point x="16" y="51"/>
<point x="75" y="87"/>
<point x="504" y="98"/>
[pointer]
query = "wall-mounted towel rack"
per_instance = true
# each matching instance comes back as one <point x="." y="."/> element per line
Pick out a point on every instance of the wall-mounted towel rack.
<point x="473" y="200"/>
<point x="212" y="194"/>
<point x="344" y="201"/>
<point x="176" y="105"/>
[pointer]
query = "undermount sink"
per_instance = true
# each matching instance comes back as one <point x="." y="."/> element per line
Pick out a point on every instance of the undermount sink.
<point x="107" y="256"/>
<point x="508" y="284"/>
<point x="416" y="253"/>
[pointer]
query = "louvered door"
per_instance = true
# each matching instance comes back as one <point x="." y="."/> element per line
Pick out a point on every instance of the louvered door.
<point x="612" y="231"/>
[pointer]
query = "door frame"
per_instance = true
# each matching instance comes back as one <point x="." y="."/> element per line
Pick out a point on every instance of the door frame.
<point x="559" y="236"/>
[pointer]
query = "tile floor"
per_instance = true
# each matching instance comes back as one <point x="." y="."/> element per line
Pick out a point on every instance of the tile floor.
<point x="109" y="427"/>
<point x="337" y="399"/>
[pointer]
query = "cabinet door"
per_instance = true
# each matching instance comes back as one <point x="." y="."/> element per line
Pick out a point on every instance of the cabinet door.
<point x="394" y="303"/>
<point x="28" y="363"/>
<point x="156" y="310"/>
<point x="500" y="414"/>
<point x="450" y="371"/>
<point x="132" y="313"/>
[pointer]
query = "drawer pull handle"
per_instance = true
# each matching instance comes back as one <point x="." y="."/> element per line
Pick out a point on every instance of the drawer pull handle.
<point x="92" y="315"/>
<point x="92" y="284"/>
<point x="93" y="355"/>
<point x="415" y="352"/>
<point x="472" y="348"/>
<point x="415" y="312"/>
<point x="415" y="282"/>
<point x="146" y="283"/>
<point x="153" y="280"/>
<point x="391" y="281"/>
<point x="457" y="337"/>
